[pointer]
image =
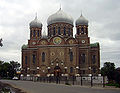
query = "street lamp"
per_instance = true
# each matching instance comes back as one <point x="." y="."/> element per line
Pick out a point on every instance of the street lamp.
<point x="91" y="76"/>
<point x="38" y="68"/>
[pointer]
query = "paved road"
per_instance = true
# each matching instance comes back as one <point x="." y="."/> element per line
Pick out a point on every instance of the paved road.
<point x="37" y="87"/>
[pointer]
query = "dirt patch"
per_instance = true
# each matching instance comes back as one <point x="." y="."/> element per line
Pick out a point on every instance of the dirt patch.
<point x="8" y="87"/>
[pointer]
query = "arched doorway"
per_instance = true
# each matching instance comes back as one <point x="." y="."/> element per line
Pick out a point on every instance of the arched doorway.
<point x="57" y="71"/>
<point x="57" y="74"/>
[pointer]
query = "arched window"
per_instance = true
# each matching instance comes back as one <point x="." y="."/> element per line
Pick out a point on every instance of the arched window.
<point x="50" y="32"/>
<point x="64" y="31"/>
<point x="71" y="69"/>
<point x="86" y="30"/>
<point x="43" y="56"/>
<point x="30" y="33"/>
<point x="83" y="58"/>
<point x="34" y="33"/>
<point x="58" y="30"/>
<point x="54" y="31"/>
<point x="25" y="59"/>
<point x="94" y="70"/>
<point x="38" y="33"/>
<point x="34" y="59"/>
<point x="71" y="56"/>
<point x="82" y="30"/>
<point x="78" y="31"/>
<point x="68" y="31"/>
<point x="93" y="59"/>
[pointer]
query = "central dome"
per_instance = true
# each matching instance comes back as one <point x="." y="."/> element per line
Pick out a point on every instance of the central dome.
<point x="60" y="16"/>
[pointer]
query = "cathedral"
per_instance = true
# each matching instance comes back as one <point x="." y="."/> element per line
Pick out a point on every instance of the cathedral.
<point x="59" y="52"/>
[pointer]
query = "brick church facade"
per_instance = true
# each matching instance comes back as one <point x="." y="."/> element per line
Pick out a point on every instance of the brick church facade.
<point x="60" y="52"/>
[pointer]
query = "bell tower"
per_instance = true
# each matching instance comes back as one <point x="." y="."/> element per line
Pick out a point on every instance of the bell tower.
<point x="35" y="32"/>
<point x="35" y="29"/>
<point x="82" y="30"/>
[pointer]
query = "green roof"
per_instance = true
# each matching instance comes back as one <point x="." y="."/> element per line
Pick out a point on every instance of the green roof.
<point x="94" y="44"/>
<point x="24" y="46"/>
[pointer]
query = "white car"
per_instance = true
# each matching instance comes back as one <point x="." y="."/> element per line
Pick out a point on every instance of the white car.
<point x="15" y="78"/>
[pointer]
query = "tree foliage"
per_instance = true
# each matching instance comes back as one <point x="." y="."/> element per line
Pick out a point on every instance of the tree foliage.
<point x="117" y="76"/>
<point x="8" y="69"/>
<point x="108" y="70"/>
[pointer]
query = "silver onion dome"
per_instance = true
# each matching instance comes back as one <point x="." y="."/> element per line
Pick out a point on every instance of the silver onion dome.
<point x="60" y="16"/>
<point x="81" y="21"/>
<point x="35" y="23"/>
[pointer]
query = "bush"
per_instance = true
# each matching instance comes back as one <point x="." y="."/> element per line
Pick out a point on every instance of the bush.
<point x="113" y="84"/>
<point x="67" y="84"/>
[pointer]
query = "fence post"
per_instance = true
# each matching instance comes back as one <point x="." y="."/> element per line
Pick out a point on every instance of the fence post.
<point x="103" y="81"/>
<point x="81" y="80"/>
<point x="73" y="79"/>
<point x="91" y="81"/>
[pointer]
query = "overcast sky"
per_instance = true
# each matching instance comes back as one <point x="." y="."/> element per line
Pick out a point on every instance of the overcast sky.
<point x="103" y="16"/>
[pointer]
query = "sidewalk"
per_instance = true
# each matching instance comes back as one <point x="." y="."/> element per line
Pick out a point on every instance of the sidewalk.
<point x="9" y="88"/>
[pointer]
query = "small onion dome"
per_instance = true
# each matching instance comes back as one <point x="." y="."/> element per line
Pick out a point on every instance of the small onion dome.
<point x="24" y="46"/>
<point x="35" y="23"/>
<point x="60" y="16"/>
<point x="81" y="21"/>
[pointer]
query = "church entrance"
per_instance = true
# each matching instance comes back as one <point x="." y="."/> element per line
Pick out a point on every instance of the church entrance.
<point x="57" y="74"/>
<point x="57" y="71"/>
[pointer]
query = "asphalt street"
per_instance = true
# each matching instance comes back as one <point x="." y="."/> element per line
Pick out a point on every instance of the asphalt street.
<point x="38" y="87"/>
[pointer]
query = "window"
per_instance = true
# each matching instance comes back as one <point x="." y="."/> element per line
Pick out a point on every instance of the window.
<point x="83" y="71"/>
<point x="58" y="30"/>
<point x="34" y="33"/>
<point x="94" y="70"/>
<point x="34" y="59"/>
<point x="64" y="31"/>
<point x="54" y="31"/>
<point x="68" y="31"/>
<point x="86" y="30"/>
<point x="78" y="31"/>
<point x="50" y="32"/>
<point x="71" y="69"/>
<point x="25" y="59"/>
<point x="82" y="30"/>
<point x="43" y="57"/>
<point x="31" y="34"/>
<point x="34" y="72"/>
<point x="38" y="33"/>
<point x="83" y="58"/>
<point x="71" y="56"/>
<point x="93" y="59"/>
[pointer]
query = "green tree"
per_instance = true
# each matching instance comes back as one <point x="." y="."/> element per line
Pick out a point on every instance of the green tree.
<point x="15" y="66"/>
<point x="108" y="70"/>
<point x="8" y="69"/>
<point x="117" y="76"/>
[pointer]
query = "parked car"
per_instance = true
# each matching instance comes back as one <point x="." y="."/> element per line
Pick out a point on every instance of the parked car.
<point x="15" y="78"/>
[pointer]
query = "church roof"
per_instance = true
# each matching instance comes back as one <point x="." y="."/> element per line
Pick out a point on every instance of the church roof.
<point x="81" y="21"/>
<point x="94" y="44"/>
<point x="60" y="16"/>
<point x="35" y="23"/>
<point x="24" y="46"/>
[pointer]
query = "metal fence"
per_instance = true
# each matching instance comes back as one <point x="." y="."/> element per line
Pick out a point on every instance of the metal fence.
<point x="71" y="80"/>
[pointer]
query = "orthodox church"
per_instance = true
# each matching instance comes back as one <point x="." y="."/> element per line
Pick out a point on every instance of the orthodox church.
<point x="59" y="52"/>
